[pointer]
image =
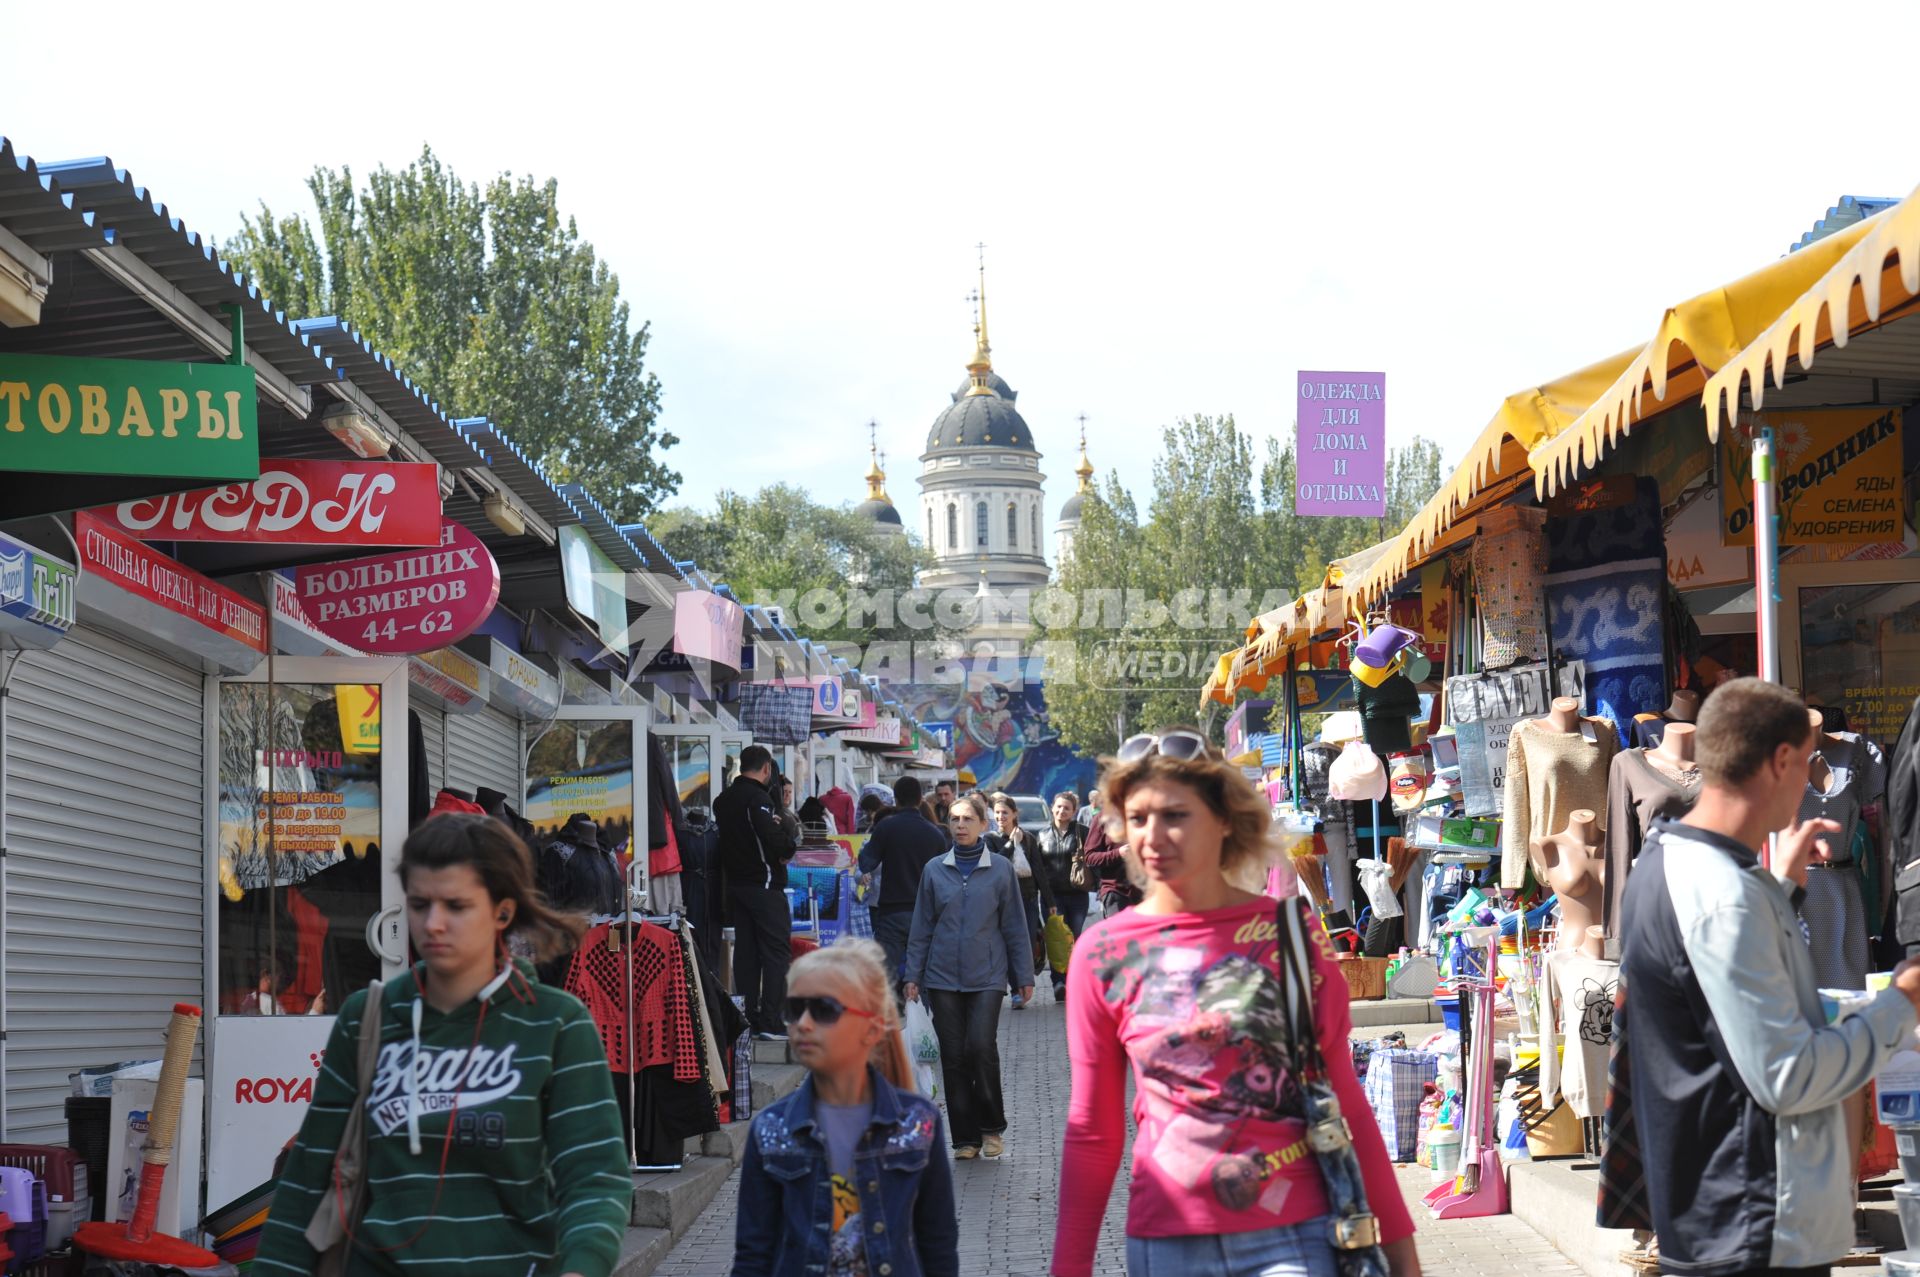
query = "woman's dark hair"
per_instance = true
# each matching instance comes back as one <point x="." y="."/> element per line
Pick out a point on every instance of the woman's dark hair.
<point x="505" y="867"/>
<point x="813" y="811"/>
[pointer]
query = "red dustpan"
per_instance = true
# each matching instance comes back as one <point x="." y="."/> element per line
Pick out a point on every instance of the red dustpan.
<point x="137" y="1239"/>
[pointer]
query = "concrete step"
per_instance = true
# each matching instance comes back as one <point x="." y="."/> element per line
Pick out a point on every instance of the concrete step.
<point x="775" y="1081"/>
<point x="772" y="1053"/>
<point x="672" y="1200"/>
<point x="730" y="1142"/>
<point x="1555" y="1198"/>
<point x="1379" y="1012"/>
<point x="642" y="1252"/>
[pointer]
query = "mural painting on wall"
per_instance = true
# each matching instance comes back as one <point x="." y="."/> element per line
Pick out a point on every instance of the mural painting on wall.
<point x="997" y="728"/>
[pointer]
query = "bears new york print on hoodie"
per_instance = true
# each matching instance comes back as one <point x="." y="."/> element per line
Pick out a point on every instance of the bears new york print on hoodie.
<point x="536" y="1175"/>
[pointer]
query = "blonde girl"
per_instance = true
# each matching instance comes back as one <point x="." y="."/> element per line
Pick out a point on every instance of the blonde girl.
<point x="847" y="1175"/>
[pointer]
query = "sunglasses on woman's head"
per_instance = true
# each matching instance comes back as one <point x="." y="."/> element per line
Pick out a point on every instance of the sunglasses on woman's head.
<point x="823" y="1009"/>
<point x="1181" y="745"/>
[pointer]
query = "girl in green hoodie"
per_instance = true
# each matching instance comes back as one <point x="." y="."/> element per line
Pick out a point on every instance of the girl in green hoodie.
<point x="493" y="1138"/>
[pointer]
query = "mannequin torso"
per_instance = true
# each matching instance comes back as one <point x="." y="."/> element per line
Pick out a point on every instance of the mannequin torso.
<point x="1571" y="864"/>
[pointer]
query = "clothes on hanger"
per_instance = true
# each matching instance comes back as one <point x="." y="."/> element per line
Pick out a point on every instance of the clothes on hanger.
<point x="575" y="874"/>
<point x="839" y="805"/>
<point x="1585" y="989"/>
<point x="494" y="803"/>
<point x="1834" y="909"/>
<point x="1641" y="788"/>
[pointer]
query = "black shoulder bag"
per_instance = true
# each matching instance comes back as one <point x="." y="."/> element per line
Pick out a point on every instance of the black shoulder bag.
<point x="1352" y="1230"/>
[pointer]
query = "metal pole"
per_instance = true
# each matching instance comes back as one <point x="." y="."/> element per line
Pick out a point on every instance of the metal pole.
<point x="1765" y="557"/>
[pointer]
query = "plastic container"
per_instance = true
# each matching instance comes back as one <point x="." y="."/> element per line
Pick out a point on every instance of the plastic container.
<point x="16" y="1193"/>
<point x="1443" y="1145"/>
<point x="89" y="1134"/>
<point x="68" y="1183"/>
<point x="1906" y="1142"/>
<point x="1450" y="1012"/>
<point x="1907" y="1198"/>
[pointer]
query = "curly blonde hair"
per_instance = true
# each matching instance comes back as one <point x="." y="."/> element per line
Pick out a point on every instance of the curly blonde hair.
<point x="1249" y="845"/>
<point x="860" y="967"/>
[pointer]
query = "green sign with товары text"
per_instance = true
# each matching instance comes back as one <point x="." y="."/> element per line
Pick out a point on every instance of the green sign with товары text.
<point x="66" y="415"/>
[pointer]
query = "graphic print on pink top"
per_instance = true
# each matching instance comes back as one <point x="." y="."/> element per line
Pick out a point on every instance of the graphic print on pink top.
<point x="1192" y="1003"/>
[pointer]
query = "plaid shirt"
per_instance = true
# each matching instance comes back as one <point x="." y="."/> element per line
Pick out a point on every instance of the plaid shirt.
<point x="776" y="715"/>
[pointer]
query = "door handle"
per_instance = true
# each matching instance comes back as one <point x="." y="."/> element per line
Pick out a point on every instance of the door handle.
<point x="387" y="936"/>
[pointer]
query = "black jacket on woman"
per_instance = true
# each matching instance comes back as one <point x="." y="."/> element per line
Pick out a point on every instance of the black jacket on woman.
<point x="1057" y="851"/>
<point x="1038" y="883"/>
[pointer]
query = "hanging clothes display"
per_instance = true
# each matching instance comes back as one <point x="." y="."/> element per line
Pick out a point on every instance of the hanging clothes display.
<point x="776" y="715"/>
<point x="1835" y="913"/>
<point x="576" y="874"/>
<point x="1642" y="786"/>
<point x="1584" y="988"/>
<point x="1509" y="565"/>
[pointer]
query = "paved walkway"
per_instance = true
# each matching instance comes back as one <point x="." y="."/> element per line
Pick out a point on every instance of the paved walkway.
<point x="1007" y="1207"/>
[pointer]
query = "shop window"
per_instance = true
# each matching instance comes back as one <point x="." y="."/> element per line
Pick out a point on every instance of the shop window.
<point x="582" y="765"/>
<point x="299" y="845"/>
<point x="980" y="525"/>
<point x="692" y="770"/>
<point x="953" y="526"/>
<point x="1013" y="526"/>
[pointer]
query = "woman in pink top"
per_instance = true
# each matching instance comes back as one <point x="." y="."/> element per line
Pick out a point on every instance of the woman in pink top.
<point x="1183" y="989"/>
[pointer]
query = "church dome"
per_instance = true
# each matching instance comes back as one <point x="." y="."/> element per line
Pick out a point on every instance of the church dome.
<point x="980" y="421"/>
<point x="880" y="510"/>
<point x="1070" y="512"/>
<point x="995" y="382"/>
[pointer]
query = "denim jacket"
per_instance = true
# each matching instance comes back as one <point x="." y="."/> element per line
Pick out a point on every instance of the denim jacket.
<point x="901" y="1173"/>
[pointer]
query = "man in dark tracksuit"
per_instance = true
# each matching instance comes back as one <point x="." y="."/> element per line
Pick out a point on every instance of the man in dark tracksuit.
<point x="900" y="844"/>
<point x="1737" y="1079"/>
<point x="755" y="848"/>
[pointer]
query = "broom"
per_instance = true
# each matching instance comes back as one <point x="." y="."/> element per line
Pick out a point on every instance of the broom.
<point x="137" y="1238"/>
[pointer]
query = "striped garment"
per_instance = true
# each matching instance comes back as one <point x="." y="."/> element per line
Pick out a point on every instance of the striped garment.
<point x="536" y="1175"/>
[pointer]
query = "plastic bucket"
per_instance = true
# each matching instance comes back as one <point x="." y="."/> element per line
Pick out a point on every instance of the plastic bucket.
<point x="1907" y="1197"/>
<point x="1906" y="1142"/>
<point x="1444" y="1147"/>
<point x="1450" y="1015"/>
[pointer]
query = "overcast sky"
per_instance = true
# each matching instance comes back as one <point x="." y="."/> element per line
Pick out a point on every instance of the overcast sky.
<point x="1182" y="204"/>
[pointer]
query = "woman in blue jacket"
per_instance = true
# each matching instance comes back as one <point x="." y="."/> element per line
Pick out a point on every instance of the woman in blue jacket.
<point x="846" y="1176"/>
<point x="968" y="943"/>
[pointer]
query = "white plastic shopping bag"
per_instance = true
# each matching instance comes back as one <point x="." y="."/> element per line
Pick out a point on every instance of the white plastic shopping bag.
<point x="923" y="1048"/>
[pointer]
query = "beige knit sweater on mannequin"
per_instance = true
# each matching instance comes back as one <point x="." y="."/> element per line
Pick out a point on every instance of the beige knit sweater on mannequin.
<point x="1550" y="775"/>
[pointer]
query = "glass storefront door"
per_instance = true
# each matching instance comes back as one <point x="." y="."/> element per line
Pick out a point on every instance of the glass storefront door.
<point x="1850" y="635"/>
<point x="591" y="760"/>
<point x="310" y="795"/>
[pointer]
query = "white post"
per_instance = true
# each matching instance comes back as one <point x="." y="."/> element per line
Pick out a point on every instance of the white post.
<point x="1765" y="555"/>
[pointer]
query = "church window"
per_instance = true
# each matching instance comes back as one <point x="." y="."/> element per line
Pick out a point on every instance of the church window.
<point x="980" y="525"/>
<point x="929" y="529"/>
<point x="953" y="526"/>
<point x="1013" y="527"/>
<point x="1036" y="529"/>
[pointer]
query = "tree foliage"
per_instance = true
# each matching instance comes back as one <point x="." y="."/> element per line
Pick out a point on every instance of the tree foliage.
<point x="491" y="301"/>
<point x="779" y="545"/>
<point x="1209" y="527"/>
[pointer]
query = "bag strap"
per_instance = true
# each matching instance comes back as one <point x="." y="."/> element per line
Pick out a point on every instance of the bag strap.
<point x="370" y="1016"/>
<point x="1296" y="985"/>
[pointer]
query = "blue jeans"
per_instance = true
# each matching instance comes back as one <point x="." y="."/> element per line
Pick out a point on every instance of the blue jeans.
<point x="892" y="930"/>
<point x="1296" y="1250"/>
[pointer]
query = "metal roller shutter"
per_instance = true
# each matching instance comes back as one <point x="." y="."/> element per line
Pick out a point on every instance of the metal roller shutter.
<point x="433" y="728"/>
<point x="484" y="749"/>
<point x="106" y="883"/>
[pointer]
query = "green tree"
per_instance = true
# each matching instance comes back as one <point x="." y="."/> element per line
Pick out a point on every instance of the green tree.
<point x="491" y="301"/>
<point x="780" y="546"/>
<point x="1208" y="527"/>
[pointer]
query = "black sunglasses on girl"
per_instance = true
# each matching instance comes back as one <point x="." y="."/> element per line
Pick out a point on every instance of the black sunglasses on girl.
<point x="824" y="1010"/>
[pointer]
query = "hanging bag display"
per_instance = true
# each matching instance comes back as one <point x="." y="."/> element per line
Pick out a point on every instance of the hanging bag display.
<point x="1351" y="1227"/>
<point x="330" y="1231"/>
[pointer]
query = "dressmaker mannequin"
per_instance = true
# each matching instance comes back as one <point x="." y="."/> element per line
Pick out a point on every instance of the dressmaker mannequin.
<point x="1684" y="708"/>
<point x="1571" y="864"/>
<point x="1564" y="717"/>
<point x="1676" y="746"/>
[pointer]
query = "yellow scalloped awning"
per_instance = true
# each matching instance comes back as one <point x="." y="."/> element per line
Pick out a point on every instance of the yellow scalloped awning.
<point x="1875" y="280"/>
<point x="1500" y="452"/>
<point x="1692" y="339"/>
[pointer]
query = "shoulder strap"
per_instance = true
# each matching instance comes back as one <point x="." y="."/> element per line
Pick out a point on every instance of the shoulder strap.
<point x="370" y="1016"/>
<point x="1296" y="983"/>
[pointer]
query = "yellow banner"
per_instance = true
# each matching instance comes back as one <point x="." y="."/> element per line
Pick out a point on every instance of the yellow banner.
<point x="359" y="708"/>
<point x="1836" y="476"/>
